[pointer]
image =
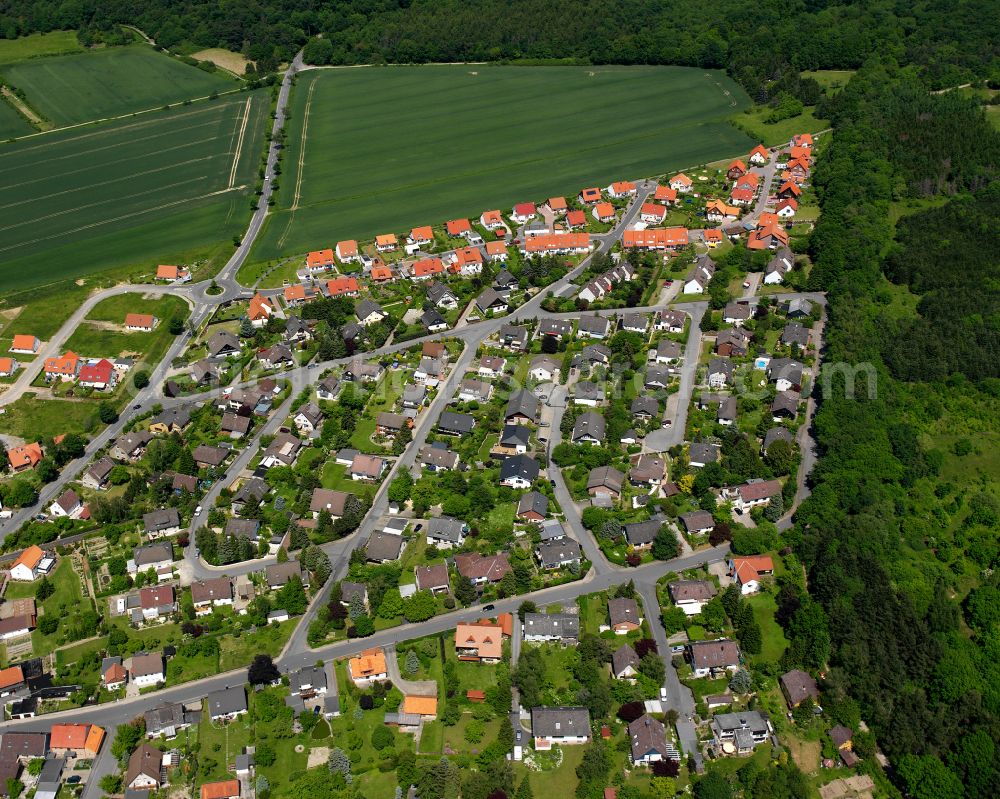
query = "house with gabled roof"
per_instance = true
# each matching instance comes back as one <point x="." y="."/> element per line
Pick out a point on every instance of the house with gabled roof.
<point x="565" y="726"/>
<point x="748" y="571"/>
<point x="691" y="595"/>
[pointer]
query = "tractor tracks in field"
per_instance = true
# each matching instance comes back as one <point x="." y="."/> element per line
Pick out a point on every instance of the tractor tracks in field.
<point x="301" y="166"/>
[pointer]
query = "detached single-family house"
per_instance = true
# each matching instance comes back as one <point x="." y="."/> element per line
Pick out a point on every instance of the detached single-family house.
<point x="697" y="522"/>
<point x="565" y="726"/>
<point x="479" y="643"/>
<point x="691" y="595"/>
<point x="797" y="686"/>
<point x="624" y="663"/>
<point x="749" y="571"/>
<point x="227" y="704"/>
<point x="558" y="553"/>
<point x="368" y="667"/>
<point x="605" y="481"/>
<point x="648" y="741"/>
<point x="713" y="658"/>
<point x="147" y="669"/>
<point x="161" y="523"/>
<point x="444" y="532"/>
<point x="623" y="614"/>
<point x="519" y="471"/>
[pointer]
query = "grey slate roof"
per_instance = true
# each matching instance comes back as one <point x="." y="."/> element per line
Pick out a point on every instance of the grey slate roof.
<point x="227" y="701"/>
<point x="533" y="501"/>
<point x="589" y="425"/>
<point x="560" y="722"/>
<point x="446" y="528"/>
<point x="523" y="466"/>
<point x="553" y="625"/>
<point x="522" y="403"/>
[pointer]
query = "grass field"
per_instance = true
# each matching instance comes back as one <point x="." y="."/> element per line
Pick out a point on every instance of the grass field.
<point x="140" y="192"/>
<point x="39" y="44"/>
<point x="375" y="150"/>
<point x="81" y="87"/>
<point x="11" y="122"/>
<point x="752" y="121"/>
<point x="103" y="340"/>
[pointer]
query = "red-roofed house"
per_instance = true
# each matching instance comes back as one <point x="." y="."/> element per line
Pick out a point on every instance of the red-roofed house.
<point x="427" y="268"/>
<point x="24" y="457"/>
<point x="140" y="322"/>
<point x="491" y="219"/>
<point x="681" y="183"/>
<point x="742" y="196"/>
<point x="347" y="251"/>
<point x="665" y="194"/>
<point x="557" y="205"/>
<point x="342" y="287"/>
<point x="382" y="274"/>
<point x="386" y="242"/>
<point x="802" y="140"/>
<point x="225" y="789"/>
<point x="786" y="208"/>
<point x="556" y="243"/>
<point x="172" y="273"/>
<point x="604" y="212"/>
<point x="736" y="170"/>
<point x="63" y="367"/>
<point x="496" y="250"/>
<point x="590" y="196"/>
<point x="260" y="310"/>
<point x="100" y="375"/>
<point x="523" y="212"/>
<point x="621" y="188"/>
<point x="713" y="237"/>
<point x="576" y="219"/>
<point x="748" y="571"/>
<point x="318" y="260"/>
<point x="25" y="344"/>
<point x="759" y="155"/>
<point x="468" y="261"/>
<point x="652" y="213"/>
<point x="789" y="190"/>
<point x="663" y="238"/>
<point x="297" y="294"/>
<point x="26" y="567"/>
<point x="457" y="227"/>
<point x="8" y="366"/>
<point x="421" y="236"/>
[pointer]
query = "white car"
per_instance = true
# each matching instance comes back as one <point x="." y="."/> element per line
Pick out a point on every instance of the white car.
<point x="663" y="694"/>
<point x="197" y="510"/>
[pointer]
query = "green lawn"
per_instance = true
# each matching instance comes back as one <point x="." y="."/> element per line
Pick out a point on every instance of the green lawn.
<point x="774" y="641"/>
<point x="356" y="184"/>
<point x="831" y="80"/>
<point x="752" y="121"/>
<point x="80" y="87"/>
<point x="92" y="340"/>
<point x="29" y="417"/>
<point x="558" y="782"/>
<point x="432" y="738"/>
<point x="159" y="188"/>
<point x="38" y="44"/>
<point x="237" y="652"/>
<point x="219" y="745"/>
<point x="65" y="604"/>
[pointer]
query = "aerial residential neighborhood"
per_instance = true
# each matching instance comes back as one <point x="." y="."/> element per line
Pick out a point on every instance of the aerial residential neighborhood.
<point x="482" y="401"/>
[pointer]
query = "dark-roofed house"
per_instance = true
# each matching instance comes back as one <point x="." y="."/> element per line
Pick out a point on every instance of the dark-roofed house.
<point x="236" y="426"/>
<point x="172" y="420"/>
<point x="732" y="341"/>
<point x="658" y="376"/>
<point x="96" y="477"/>
<point x="333" y="502"/>
<point x="152" y="556"/>
<point x="640" y="535"/>
<point x="589" y="428"/>
<point x="795" y="333"/>
<point x="697" y="522"/>
<point x="713" y="658"/>
<point x="383" y="547"/>
<point x="227" y="704"/>
<point x="624" y="663"/>
<point x="559" y="553"/>
<point x="736" y="313"/>
<point x="588" y="393"/>
<point x="130" y="447"/>
<point x="514" y="337"/>
<point x="691" y="595"/>
<point x="647" y="740"/>
<point x="277" y="574"/>
<point x="482" y="569"/>
<point x="785" y="373"/>
<point x="522" y="407"/>
<point x="564" y="627"/>
<point x="207" y="457"/>
<point x="701" y="454"/>
<point x="648" y="470"/>
<point x="645" y="407"/>
<point x="26" y="745"/>
<point x="349" y="590"/>
<point x="744" y="730"/>
<point x="797" y="686"/>
<point x="211" y="593"/>
<point x="533" y="506"/>
<point x="168" y="719"/>
<point x="445" y="532"/>
<point x="775" y="434"/>
<point x="560" y="725"/>
<point x="435" y="458"/>
<point x="160" y="523"/>
<point x="252" y="490"/>
<point x="593" y="326"/>
<point x="433" y="578"/>
<point x="519" y="471"/>
<point x="555" y="327"/>
<point x="720" y="372"/>
<point x="785" y="405"/>
<point x="455" y="424"/>
<point x="623" y="613"/>
<point x="222" y="344"/>
<point x="144" y="767"/>
<point x="605" y="481"/>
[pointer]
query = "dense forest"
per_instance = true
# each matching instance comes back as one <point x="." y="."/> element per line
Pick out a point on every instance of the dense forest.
<point x="764" y="45"/>
<point x="900" y="535"/>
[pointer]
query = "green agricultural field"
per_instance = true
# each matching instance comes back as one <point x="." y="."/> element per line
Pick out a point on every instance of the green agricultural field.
<point x="161" y="188"/>
<point x="375" y="150"/>
<point x="12" y="123"/>
<point x="70" y="89"/>
<point x="39" y="44"/>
